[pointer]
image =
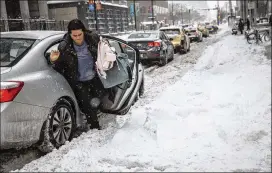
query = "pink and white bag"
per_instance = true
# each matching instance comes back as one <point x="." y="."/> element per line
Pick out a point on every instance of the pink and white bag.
<point x="105" y="57"/>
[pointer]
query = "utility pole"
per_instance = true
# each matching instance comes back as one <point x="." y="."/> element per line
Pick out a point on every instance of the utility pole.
<point x="189" y="16"/>
<point x="181" y="14"/>
<point x="152" y="14"/>
<point x="230" y="8"/>
<point x="173" y="12"/>
<point x="135" y="15"/>
<point x="218" y="12"/>
<point x="95" y="17"/>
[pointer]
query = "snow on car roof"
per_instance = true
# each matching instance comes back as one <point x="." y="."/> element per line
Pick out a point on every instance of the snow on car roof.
<point x="170" y="27"/>
<point x="31" y="34"/>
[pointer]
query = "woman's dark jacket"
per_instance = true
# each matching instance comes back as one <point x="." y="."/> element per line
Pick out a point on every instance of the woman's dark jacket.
<point x="67" y="63"/>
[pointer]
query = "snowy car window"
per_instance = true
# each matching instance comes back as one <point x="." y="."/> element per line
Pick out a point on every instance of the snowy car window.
<point x="12" y="49"/>
<point x="144" y="35"/>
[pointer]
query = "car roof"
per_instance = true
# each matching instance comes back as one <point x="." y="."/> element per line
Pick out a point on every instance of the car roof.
<point x="170" y="27"/>
<point x="146" y="31"/>
<point x="37" y="35"/>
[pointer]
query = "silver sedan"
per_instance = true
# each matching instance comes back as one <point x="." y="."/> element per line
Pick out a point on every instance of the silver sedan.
<point x="37" y="103"/>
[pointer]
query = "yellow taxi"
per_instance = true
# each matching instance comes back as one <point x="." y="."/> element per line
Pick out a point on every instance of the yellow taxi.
<point x="179" y="39"/>
<point x="202" y="28"/>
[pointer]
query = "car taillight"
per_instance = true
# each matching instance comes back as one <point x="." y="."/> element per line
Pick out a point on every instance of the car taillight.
<point x="154" y="44"/>
<point x="9" y="90"/>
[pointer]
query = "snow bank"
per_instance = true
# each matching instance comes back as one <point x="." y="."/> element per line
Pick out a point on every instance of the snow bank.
<point x="217" y="118"/>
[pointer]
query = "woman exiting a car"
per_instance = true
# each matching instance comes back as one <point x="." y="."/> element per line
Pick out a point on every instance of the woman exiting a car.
<point x="75" y="60"/>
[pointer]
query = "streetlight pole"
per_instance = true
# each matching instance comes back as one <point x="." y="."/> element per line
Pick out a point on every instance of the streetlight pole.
<point x="189" y="16"/>
<point x="181" y="14"/>
<point x="173" y="12"/>
<point x="135" y="15"/>
<point x="217" y="12"/>
<point x="152" y="14"/>
<point x="95" y="16"/>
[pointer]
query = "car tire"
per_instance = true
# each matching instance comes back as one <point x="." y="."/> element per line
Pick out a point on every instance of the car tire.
<point x="185" y="50"/>
<point x="172" y="58"/>
<point x="164" y="60"/>
<point x="60" y="126"/>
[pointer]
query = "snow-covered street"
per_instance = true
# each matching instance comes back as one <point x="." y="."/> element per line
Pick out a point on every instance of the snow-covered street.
<point x="206" y="114"/>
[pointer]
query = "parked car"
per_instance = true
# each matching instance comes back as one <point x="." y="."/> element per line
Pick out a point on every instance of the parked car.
<point x="177" y="35"/>
<point x="209" y="26"/>
<point x="194" y="34"/>
<point x="202" y="28"/>
<point x="153" y="46"/>
<point x="263" y="21"/>
<point x="215" y="28"/>
<point x="37" y="103"/>
<point x="185" y="25"/>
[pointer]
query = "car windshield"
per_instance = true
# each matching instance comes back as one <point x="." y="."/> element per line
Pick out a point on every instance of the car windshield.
<point x="171" y="31"/>
<point x="144" y="35"/>
<point x="12" y="49"/>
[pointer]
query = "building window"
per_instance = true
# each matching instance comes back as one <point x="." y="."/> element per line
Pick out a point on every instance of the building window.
<point x="13" y="9"/>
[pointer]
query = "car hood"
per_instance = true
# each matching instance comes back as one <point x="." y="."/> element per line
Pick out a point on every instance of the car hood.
<point x="5" y="70"/>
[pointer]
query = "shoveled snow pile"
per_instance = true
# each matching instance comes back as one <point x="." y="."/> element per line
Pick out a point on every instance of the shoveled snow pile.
<point x="216" y="118"/>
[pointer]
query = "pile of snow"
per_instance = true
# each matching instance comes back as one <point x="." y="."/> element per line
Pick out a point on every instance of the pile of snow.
<point x="216" y="118"/>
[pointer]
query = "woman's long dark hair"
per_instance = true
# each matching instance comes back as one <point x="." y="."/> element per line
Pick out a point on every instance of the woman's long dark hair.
<point x="75" y="24"/>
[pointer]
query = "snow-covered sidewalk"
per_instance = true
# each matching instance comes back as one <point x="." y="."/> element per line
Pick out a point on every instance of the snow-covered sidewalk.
<point x="216" y="118"/>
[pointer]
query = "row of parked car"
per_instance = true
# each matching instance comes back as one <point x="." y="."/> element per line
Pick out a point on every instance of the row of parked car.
<point x="38" y="105"/>
<point x="161" y="45"/>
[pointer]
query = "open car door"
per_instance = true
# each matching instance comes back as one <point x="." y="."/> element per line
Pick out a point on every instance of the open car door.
<point x="120" y="98"/>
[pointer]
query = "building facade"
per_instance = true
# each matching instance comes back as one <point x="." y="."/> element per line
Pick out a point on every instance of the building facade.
<point x="253" y="9"/>
<point x="144" y="12"/>
<point x="16" y="9"/>
<point x="27" y="15"/>
<point x="112" y="18"/>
